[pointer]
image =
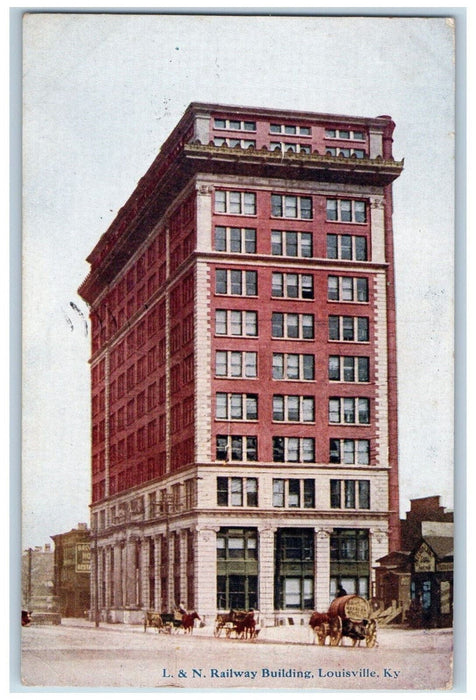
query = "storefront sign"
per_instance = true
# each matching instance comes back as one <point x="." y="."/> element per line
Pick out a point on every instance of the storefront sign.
<point x="83" y="558"/>
<point x="445" y="566"/>
<point x="424" y="559"/>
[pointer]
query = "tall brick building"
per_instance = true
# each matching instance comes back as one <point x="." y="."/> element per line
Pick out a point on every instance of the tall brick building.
<point x="244" y="400"/>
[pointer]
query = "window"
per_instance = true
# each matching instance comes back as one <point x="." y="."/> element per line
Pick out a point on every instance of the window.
<point x="350" y="411"/>
<point x="227" y="202"/>
<point x="237" y="448"/>
<point x="293" y="493"/>
<point x="236" y="282"/>
<point x="236" y="323"/>
<point x="296" y="244"/>
<point x="345" y="134"/>
<point x="293" y="449"/>
<point x="346" y="247"/>
<point x="293" y="409"/>
<point x="298" y="326"/>
<point x="348" y="369"/>
<point x="346" y="210"/>
<point x="230" y="364"/>
<point x="349" y="546"/>
<point x="344" y="451"/>
<point x="235" y="240"/>
<point x="294" y="567"/>
<point x="289" y="147"/>
<point x="233" y="143"/>
<point x="349" y="328"/>
<point x="237" y="552"/>
<point x="234" y="124"/>
<point x="349" y="493"/>
<point x="292" y="286"/>
<point x="291" y="207"/>
<point x="345" y="152"/>
<point x="347" y="288"/>
<point x="237" y="491"/>
<point x="293" y="366"/>
<point x="290" y="129"/>
<point x="236" y="406"/>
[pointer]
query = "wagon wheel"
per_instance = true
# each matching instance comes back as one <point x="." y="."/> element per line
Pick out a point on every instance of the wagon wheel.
<point x="335" y="631"/>
<point x="321" y="633"/>
<point x="371" y="634"/>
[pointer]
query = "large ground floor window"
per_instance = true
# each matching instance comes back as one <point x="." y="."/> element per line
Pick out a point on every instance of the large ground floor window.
<point x="237" y="568"/>
<point x="294" y="569"/>
<point x="349" y="562"/>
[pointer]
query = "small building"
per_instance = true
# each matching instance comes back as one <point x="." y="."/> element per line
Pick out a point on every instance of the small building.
<point x="38" y="593"/>
<point x="432" y="583"/>
<point x="72" y="570"/>
<point x="392" y="584"/>
<point x="415" y="585"/>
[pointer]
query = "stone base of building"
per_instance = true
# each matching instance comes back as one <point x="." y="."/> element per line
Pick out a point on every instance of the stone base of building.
<point x="46" y="618"/>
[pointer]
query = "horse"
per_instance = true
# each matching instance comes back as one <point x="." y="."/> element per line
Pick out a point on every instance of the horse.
<point x="188" y="621"/>
<point x="246" y="627"/>
<point x="324" y="625"/>
<point x="153" y="619"/>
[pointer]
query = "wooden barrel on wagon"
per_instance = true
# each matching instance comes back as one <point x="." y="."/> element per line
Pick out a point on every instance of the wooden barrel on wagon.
<point x="357" y="611"/>
<point x="351" y="607"/>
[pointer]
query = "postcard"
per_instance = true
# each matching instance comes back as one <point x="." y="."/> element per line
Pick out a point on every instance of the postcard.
<point x="238" y="321"/>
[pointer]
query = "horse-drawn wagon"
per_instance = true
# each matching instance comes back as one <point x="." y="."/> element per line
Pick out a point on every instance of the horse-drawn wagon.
<point x="348" y="616"/>
<point x="236" y="623"/>
<point x="170" y="622"/>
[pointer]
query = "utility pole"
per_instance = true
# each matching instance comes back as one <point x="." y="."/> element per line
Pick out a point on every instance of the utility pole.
<point x="96" y="576"/>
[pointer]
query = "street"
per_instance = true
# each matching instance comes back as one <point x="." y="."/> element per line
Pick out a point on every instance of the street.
<point x="76" y="654"/>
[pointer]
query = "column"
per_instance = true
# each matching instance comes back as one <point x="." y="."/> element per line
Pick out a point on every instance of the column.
<point x="144" y="573"/>
<point x="183" y="568"/>
<point x="107" y="575"/>
<point x="322" y="568"/>
<point x="378" y="228"/>
<point x="266" y="574"/>
<point x="378" y="547"/>
<point x="205" y="575"/>
<point x="118" y="566"/>
<point x="157" y="571"/>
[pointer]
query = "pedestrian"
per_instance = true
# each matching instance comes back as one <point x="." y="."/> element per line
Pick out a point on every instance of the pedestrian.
<point x="340" y="592"/>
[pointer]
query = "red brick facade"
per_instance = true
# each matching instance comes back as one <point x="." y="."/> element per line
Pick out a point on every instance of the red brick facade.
<point x="243" y="315"/>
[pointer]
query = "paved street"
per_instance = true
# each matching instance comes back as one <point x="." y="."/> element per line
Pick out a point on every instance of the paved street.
<point x="76" y="654"/>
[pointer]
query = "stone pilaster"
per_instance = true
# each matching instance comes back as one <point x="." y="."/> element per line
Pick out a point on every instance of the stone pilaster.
<point x="322" y="567"/>
<point x="205" y="572"/>
<point x="381" y="371"/>
<point x="376" y="143"/>
<point x="378" y="546"/>
<point x="266" y="573"/>
<point x="203" y="361"/>
<point x="144" y="573"/>
<point x="183" y="568"/>
<point x="130" y="573"/>
<point x="377" y="222"/>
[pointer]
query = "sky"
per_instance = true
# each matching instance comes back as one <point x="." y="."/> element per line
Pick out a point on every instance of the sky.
<point x="100" y="95"/>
